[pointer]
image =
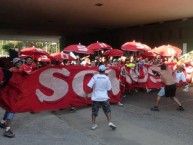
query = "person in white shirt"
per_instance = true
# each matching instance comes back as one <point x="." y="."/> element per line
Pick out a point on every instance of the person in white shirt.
<point x="180" y="77"/>
<point x="101" y="86"/>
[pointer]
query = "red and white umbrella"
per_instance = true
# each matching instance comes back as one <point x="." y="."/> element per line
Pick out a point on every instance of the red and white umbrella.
<point x="135" y="46"/>
<point x="113" y="52"/>
<point x="99" y="46"/>
<point x="42" y="58"/>
<point x="30" y="51"/>
<point x="78" y="48"/>
<point x="25" y="56"/>
<point x="168" y="50"/>
<point x="61" y="56"/>
<point x="148" y="54"/>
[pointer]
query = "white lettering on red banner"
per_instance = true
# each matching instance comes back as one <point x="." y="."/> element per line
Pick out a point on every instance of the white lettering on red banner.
<point x="59" y="86"/>
<point x="77" y="83"/>
<point x="114" y="81"/>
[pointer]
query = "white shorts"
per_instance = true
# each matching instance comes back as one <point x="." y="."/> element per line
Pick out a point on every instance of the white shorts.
<point x="161" y="92"/>
<point x="180" y="76"/>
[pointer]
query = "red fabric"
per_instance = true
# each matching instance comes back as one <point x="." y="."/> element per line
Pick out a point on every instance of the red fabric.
<point x="99" y="46"/>
<point x="141" y="73"/>
<point x="52" y="88"/>
<point x="148" y="54"/>
<point x="135" y="46"/>
<point x="61" y="56"/>
<point x="42" y="58"/>
<point x="1" y="75"/>
<point x="30" y="51"/>
<point x="113" y="52"/>
<point x="57" y="87"/>
<point x="28" y="68"/>
<point x="78" y="48"/>
<point x="168" y="50"/>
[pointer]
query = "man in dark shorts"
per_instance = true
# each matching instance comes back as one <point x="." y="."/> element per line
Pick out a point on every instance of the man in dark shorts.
<point x="101" y="85"/>
<point x="170" y="87"/>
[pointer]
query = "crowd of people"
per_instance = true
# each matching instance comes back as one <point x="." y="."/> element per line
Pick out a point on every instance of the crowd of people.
<point x="169" y="78"/>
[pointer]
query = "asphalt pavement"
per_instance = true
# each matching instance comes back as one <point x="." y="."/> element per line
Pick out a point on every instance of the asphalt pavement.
<point x="136" y="124"/>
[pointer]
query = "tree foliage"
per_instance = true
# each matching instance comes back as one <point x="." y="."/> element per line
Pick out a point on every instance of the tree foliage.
<point x="8" y="46"/>
<point x="18" y="45"/>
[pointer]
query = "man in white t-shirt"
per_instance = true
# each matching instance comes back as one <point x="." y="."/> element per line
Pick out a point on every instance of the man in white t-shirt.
<point x="101" y="86"/>
<point x="180" y="77"/>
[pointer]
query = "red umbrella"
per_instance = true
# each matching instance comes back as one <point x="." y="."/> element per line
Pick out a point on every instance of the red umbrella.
<point x="35" y="56"/>
<point x="31" y="51"/>
<point x="135" y="46"/>
<point x="148" y="54"/>
<point x="61" y="56"/>
<point x="99" y="46"/>
<point x="168" y="50"/>
<point x="24" y="56"/>
<point x="78" y="48"/>
<point x="113" y="52"/>
<point x="42" y="58"/>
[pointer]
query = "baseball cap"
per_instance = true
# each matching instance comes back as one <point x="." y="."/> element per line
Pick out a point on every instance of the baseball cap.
<point x="15" y="60"/>
<point x="102" y="68"/>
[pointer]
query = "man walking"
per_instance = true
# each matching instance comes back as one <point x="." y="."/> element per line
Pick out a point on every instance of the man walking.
<point x="101" y="86"/>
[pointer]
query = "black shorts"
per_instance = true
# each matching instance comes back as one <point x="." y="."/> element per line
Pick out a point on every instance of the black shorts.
<point x="96" y="105"/>
<point x="170" y="90"/>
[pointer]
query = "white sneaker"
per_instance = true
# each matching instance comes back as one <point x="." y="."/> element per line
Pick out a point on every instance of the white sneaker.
<point x="186" y="88"/>
<point x="120" y="104"/>
<point x="148" y="90"/>
<point x="72" y="109"/>
<point x="94" y="126"/>
<point x="124" y="96"/>
<point x="111" y="125"/>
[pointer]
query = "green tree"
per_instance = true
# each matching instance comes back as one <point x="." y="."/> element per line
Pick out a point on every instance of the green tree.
<point x="8" y="46"/>
<point x="50" y="47"/>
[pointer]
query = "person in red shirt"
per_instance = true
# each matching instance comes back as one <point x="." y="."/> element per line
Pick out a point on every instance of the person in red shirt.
<point x="29" y="65"/>
<point x="8" y="116"/>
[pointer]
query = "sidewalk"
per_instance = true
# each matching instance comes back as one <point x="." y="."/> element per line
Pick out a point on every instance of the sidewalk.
<point x="136" y="124"/>
<point x="43" y="128"/>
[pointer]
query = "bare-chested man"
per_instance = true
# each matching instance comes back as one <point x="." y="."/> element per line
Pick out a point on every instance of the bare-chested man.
<point x="170" y="86"/>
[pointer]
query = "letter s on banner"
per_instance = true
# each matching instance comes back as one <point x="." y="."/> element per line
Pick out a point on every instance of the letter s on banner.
<point x="114" y="81"/>
<point x="77" y="83"/>
<point x="60" y="87"/>
<point x="144" y="79"/>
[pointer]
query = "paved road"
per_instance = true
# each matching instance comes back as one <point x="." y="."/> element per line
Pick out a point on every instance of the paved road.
<point x="136" y="124"/>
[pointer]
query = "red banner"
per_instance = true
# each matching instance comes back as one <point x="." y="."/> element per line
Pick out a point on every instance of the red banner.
<point x="58" y="87"/>
<point x="143" y="77"/>
<point x="52" y="88"/>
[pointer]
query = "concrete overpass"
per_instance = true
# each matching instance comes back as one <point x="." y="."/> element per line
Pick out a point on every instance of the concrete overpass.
<point x="60" y="18"/>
